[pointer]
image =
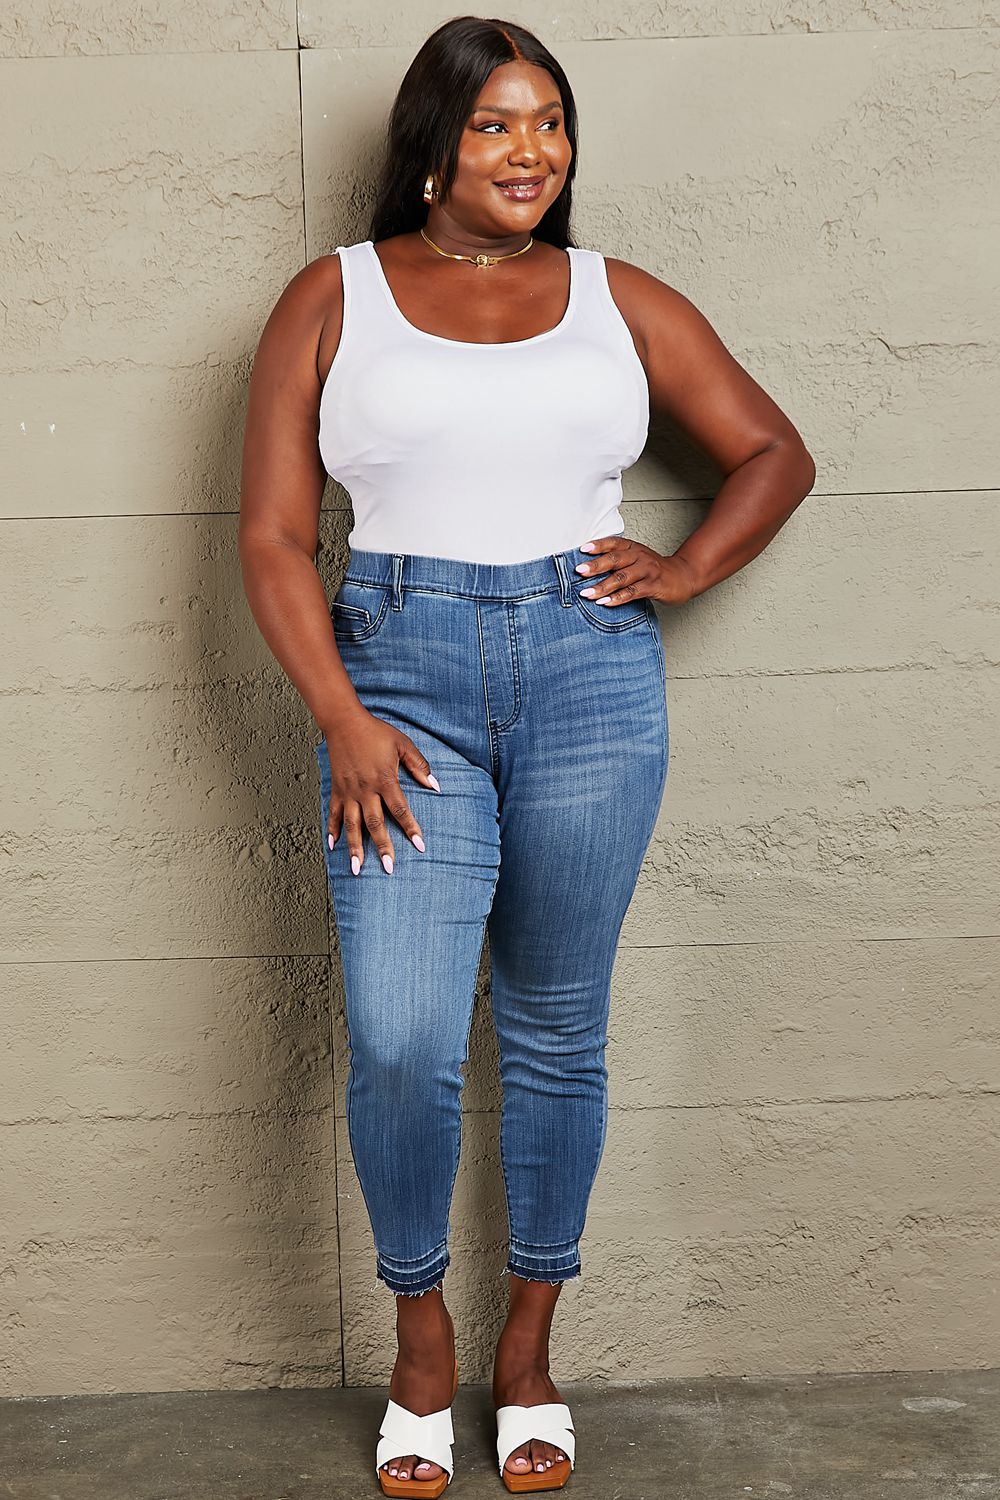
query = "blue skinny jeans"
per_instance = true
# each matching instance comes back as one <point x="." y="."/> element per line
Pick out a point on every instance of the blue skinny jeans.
<point x="543" y="716"/>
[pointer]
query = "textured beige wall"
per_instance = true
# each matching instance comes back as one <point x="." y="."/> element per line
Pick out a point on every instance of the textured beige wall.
<point x="800" y="1169"/>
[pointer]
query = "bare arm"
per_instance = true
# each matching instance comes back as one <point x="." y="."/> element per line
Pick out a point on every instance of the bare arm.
<point x="703" y="388"/>
<point x="281" y="489"/>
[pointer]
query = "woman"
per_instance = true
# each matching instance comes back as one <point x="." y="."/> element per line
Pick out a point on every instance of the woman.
<point x="478" y="383"/>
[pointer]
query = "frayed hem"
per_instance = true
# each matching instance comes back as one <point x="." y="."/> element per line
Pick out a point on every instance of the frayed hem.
<point x="552" y="1278"/>
<point x="399" y="1292"/>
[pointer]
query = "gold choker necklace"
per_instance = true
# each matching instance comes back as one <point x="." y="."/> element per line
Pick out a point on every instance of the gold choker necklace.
<point x="479" y="260"/>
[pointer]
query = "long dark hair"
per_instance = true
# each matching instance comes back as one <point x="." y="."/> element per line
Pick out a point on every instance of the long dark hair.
<point x="432" y="108"/>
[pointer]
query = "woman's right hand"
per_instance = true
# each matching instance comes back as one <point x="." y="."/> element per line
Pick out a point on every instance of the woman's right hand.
<point x="365" y="756"/>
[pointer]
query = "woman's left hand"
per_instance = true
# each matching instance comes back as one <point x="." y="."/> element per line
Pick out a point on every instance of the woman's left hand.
<point x="635" y="571"/>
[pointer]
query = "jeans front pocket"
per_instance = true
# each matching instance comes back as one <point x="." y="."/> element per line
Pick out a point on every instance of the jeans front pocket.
<point x="358" y="610"/>
<point x="613" y="617"/>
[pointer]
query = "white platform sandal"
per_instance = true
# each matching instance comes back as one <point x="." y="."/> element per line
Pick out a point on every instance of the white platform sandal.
<point x="430" y="1437"/>
<point x="550" y="1422"/>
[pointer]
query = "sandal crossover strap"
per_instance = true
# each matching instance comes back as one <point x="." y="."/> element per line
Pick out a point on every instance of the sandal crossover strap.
<point x="549" y="1422"/>
<point x="402" y="1431"/>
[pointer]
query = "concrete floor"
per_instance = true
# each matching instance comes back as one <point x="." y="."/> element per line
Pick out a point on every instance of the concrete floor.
<point x="825" y="1437"/>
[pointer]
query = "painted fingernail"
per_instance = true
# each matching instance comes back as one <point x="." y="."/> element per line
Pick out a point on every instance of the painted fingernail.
<point x="355" y="864"/>
<point x="587" y="593"/>
<point x="419" y="843"/>
<point x="387" y="862"/>
<point x="329" y="839"/>
<point x="587" y="547"/>
<point x="433" y="781"/>
<point x="582" y="568"/>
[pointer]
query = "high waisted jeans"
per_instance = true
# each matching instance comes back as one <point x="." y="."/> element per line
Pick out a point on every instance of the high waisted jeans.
<point x="543" y="716"/>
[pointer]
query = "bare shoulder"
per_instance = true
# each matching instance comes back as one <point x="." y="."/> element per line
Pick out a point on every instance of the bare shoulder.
<point x="306" y="315"/>
<point x="311" y="290"/>
<point x="652" y="308"/>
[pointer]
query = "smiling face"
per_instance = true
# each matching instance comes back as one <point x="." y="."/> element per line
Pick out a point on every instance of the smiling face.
<point x="515" y="134"/>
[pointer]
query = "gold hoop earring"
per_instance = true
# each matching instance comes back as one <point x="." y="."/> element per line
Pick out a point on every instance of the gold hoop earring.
<point x="430" y="191"/>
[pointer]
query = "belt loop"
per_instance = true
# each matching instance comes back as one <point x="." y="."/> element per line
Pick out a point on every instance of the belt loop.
<point x="397" y="580"/>
<point x="562" y="568"/>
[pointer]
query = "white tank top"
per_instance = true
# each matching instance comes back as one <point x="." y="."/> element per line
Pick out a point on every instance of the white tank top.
<point x="482" y="452"/>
